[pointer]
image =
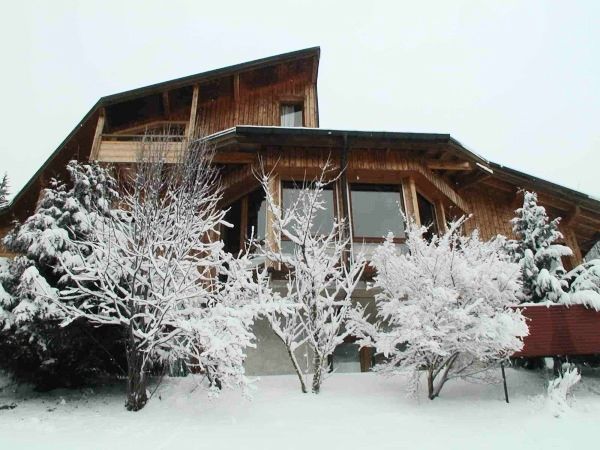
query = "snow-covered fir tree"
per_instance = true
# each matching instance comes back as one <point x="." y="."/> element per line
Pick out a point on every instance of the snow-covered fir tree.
<point x="585" y="285"/>
<point x="444" y="306"/>
<point x="158" y="271"/>
<point x="320" y="278"/>
<point x="4" y="190"/>
<point x="32" y="345"/>
<point x="538" y="254"/>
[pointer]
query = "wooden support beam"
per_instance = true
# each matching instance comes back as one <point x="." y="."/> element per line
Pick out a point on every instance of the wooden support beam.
<point x="449" y="165"/>
<point x="191" y="128"/>
<point x="573" y="215"/>
<point x="166" y="104"/>
<point x="440" y="216"/>
<point x="234" y="158"/>
<point x="517" y="201"/>
<point x="272" y="238"/>
<point x="411" y="204"/>
<point x="470" y="179"/>
<point x="236" y="98"/>
<point x="98" y="135"/>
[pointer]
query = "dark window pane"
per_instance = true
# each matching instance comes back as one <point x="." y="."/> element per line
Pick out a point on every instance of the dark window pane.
<point x="323" y="219"/>
<point x="346" y="358"/>
<point x="376" y="210"/>
<point x="427" y="215"/>
<point x="231" y="236"/>
<point x="257" y="214"/>
<point x="291" y="115"/>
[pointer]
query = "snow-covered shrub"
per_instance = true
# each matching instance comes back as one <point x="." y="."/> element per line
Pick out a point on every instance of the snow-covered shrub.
<point x="157" y="271"/>
<point x="585" y="285"/>
<point x="542" y="272"/>
<point x="319" y="279"/>
<point x="33" y="347"/>
<point x="445" y="306"/>
<point x="560" y="390"/>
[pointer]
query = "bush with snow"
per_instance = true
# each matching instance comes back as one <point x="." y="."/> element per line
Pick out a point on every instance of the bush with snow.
<point x="445" y="306"/>
<point x="560" y="390"/>
<point x="32" y="345"/>
<point x="536" y="251"/>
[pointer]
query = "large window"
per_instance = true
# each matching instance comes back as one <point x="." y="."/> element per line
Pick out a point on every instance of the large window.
<point x="376" y="211"/>
<point x="323" y="219"/>
<point x="291" y="115"/>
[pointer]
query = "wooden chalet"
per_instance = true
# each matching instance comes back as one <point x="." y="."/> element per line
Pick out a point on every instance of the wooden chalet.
<point x="268" y="110"/>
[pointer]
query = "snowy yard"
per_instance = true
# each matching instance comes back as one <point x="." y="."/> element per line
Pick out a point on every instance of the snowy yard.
<point x="354" y="411"/>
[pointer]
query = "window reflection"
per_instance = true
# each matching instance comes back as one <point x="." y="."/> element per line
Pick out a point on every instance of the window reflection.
<point x="291" y="115"/>
<point x="377" y="210"/>
<point x="323" y="218"/>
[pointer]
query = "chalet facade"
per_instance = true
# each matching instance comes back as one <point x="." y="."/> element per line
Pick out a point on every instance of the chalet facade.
<point x="267" y="110"/>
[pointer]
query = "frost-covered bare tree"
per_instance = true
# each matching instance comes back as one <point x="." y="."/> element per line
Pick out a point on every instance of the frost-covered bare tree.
<point x="157" y="269"/>
<point x="445" y="305"/>
<point x="320" y="277"/>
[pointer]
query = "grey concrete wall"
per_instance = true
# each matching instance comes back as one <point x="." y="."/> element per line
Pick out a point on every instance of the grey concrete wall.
<point x="270" y="356"/>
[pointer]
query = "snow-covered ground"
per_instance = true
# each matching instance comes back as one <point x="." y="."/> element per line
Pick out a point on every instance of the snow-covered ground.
<point x="354" y="411"/>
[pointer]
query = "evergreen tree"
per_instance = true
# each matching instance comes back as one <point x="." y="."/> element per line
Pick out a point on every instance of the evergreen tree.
<point x="542" y="271"/>
<point x="3" y="190"/>
<point x="33" y="347"/>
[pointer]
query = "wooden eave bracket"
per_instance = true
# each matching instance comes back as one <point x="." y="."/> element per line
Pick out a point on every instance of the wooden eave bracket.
<point x="573" y="215"/>
<point x="445" y="189"/>
<point x="450" y="165"/>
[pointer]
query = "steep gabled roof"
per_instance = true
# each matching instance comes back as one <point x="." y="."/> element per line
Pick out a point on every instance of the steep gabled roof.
<point x="312" y="52"/>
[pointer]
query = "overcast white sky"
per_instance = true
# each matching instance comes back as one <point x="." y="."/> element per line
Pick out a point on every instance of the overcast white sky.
<point x="517" y="82"/>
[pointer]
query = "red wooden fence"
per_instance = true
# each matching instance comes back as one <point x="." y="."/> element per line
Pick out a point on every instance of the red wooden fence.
<point x="559" y="330"/>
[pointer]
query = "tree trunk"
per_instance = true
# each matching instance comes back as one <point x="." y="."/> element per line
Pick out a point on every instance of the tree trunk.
<point x="136" y="376"/>
<point x="430" y="384"/>
<point x="297" y="369"/>
<point x="317" y="377"/>
<point x="434" y="391"/>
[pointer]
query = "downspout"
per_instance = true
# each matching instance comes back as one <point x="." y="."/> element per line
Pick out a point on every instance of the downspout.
<point x="345" y="199"/>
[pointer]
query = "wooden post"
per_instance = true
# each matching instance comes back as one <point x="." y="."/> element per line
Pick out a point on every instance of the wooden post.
<point x="98" y="136"/>
<point x="191" y="128"/>
<point x="272" y="237"/>
<point x="236" y="98"/>
<point x="504" y="382"/>
<point x="440" y="215"/>
<point x="411" y="204"/>
<point x="166" y="104"/>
